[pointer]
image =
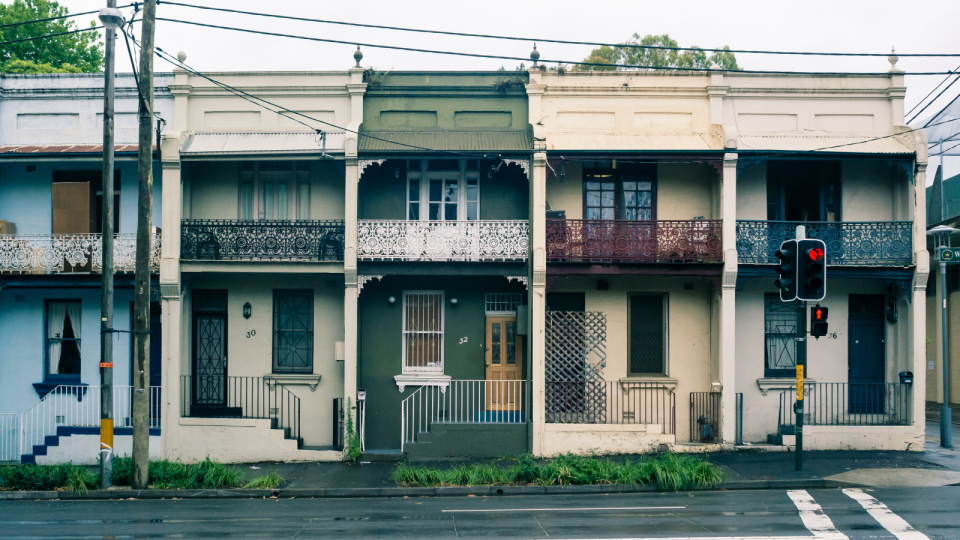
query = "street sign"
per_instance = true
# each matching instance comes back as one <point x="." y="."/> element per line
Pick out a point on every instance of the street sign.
<point x="948" y="255"/>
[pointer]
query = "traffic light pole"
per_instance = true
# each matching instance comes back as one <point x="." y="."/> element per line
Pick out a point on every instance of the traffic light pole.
<point x="801" y="368"/>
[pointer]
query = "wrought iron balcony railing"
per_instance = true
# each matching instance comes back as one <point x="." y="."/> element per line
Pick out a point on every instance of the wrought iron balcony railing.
<point x="603" y="240"/>
<point x="55" y="253"/>
<point x="849" y="243"/>
<point x="234" y="240"/>
<point x="503" y="240"/>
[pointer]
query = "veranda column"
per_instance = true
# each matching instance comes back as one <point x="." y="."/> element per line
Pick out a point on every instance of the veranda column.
<point x="728" y="301"/>
<point x="170" y="292"/>
<point x="538" y="288"/>
<point x="919" y="305"/>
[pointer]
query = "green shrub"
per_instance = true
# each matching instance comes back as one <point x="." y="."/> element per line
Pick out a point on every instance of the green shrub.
<point x="47" y="477"/>
<point x="671" y="472"/>
<point x="164" y="474"/>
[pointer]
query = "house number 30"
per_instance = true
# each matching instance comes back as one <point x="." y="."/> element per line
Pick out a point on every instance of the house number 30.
<point x="251" y="333"/>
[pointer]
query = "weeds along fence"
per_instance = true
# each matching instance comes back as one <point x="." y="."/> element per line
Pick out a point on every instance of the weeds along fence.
<point x="9" y="436"/>
<point x="463" y="402"/>
<point x="611" y="402"/>
<point x="79" y="406"/>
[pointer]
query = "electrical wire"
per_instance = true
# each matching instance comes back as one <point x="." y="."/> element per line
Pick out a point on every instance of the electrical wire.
<point x="477" y="55"/>
<point x="945" y="79"/>
<point x="51" y="35"/>
<point x="947" y="106"/>
<point x="564" y="42"/>
<point x="934" y="100"/>
<point x="69" y="15"/>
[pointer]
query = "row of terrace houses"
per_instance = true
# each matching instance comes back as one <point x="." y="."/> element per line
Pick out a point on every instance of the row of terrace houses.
<point x="474" y="264"/>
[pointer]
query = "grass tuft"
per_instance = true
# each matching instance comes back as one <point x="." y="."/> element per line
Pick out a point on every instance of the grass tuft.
<point x="48" y="477"/>
<point x="165" y="474"/>
<point x="669" y="471"/>
<point x="269" y="481"/>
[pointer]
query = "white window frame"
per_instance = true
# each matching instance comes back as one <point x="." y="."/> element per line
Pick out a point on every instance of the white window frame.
<point x="423" y="175"/>
<point x="422" y="371"/>
<point x="299" y="178"/>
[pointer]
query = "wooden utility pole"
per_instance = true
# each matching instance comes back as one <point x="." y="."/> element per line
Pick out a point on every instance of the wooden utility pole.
<point x="111" y="18"/>
<point x="139" y="475"/>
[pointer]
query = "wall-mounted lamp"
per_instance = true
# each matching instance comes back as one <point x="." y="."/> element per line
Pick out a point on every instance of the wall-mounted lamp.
<point x="892" y="314"/>
<point x="247" y="310"/>
<point x="396" y="173"/>
<point x="453" y="301"/>
<point x="392" y="299"/>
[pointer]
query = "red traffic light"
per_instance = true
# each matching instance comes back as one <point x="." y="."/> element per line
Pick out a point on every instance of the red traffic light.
<point x="815" y="254"/>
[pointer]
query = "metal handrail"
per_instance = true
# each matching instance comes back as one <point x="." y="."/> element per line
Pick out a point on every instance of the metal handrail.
<point x="848" y="404"/>
<point x="259" y="398"/>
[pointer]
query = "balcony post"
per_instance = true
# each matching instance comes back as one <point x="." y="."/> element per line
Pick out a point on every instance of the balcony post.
<point x="357" y="88"/>
<point x="728" y="301"/>
<point x="170" y="291"/>
<point x="538" y="288"/>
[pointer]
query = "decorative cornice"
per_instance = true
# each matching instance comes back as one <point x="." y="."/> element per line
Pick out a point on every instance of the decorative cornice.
<point x="523" y="163"/>
<point x="364" y="163"/>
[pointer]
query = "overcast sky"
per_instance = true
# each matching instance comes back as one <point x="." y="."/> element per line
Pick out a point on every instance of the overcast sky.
<point x="812" y="25"/>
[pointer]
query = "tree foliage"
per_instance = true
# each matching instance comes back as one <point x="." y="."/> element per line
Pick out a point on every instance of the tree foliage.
<point x="72" y="53"/>
<point x="657" y="58"/>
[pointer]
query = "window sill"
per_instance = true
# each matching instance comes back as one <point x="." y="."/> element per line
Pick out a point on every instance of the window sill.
<point x="74" y="387"/>
<point x="767" y="384"/>
<point x="666" y="382"/>
<point x="293" y="379"/>
<point x="422" y="379"/>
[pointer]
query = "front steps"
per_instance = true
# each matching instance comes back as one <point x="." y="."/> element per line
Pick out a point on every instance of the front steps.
<point x="80" y="445"/>
<point x="468" y="441"/>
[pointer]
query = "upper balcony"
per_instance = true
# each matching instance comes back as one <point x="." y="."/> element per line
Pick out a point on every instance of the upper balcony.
<point x="438" y="240"/>
<point x="255" y="240"/>
<point x="70" y="253"/>
<point x="860" y="243"/>
<point x="634" y="241"/>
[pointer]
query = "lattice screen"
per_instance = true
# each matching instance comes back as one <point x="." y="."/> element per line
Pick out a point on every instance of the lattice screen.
<point x="576" y="354"/>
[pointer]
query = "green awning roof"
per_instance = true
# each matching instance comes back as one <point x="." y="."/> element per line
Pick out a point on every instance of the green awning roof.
<point x="422" y="141"/>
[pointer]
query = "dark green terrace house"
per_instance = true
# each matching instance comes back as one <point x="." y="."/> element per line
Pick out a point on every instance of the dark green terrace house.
<point x="443" y="241"/>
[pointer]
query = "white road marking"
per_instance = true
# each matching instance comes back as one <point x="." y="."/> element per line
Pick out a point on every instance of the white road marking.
<point x="884" y="516"/>
<point x="571" y="509"/>
<point x="813" y="517"/>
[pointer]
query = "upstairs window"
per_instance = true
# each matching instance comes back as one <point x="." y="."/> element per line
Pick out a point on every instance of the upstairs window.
<point x="443" y="190"/>
<point x="626" y="191"/>
<point x="274" y="190"/>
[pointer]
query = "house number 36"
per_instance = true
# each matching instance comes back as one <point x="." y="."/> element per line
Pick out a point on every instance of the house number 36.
<point x="251" y="333"/>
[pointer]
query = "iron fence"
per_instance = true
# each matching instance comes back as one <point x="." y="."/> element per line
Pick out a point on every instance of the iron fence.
<point x="259" y="398"/>
<point x="849" y="243"/>
<point x="601" y="240"/>
<point x="338" y="423"/>
<point x="848" y="404"/>
<point x="611" y="402"/>
<point x="231" y="240"/>
<point x="438" y="240"/>
<point x="705" y="408"/>
<point x="55" y="253"/>
<point x="463" y="402"/>
<point x="9" y="437"/>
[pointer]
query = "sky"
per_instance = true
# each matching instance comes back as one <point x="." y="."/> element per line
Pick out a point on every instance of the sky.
<point x="871" y="26"/>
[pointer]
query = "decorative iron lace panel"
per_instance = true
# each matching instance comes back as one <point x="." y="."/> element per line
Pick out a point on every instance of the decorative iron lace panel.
<point x="443" y="240"/>
<point x="848" y="243"/>
<point x="70" y="252"/>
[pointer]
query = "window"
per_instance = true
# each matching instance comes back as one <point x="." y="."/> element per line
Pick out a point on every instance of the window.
<point x="780" y="337"/>
<point x="443" y="189"/>
<point x="648" y="334"/>
<point x="803" y="190"/>
<point x="292" y="331"/>
<point x="953" y="278"/>
<point x="274" y="190"/>
<point x="624" y="192"/>
<point x="63" y="340"/>
<point x="422" y="332"/>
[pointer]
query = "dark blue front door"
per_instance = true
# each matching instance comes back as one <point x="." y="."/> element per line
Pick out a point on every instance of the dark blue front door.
<point x="866" y="363"/>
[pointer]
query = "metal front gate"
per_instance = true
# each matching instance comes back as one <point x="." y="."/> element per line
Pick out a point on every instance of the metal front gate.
<point x="209" y="348"/>
<point x="705" y="417"/>
<point x="575" y="357"/>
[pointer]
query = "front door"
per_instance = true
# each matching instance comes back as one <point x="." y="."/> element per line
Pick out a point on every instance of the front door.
<point x="865" y="354"/>
<point x="209" y="351"/>
<point x="503" y="365"/>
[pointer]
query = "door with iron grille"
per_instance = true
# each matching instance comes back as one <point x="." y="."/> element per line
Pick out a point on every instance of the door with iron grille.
<point x="210" y="348"/>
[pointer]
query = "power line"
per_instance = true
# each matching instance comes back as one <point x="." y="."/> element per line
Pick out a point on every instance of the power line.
<point x="477" y="55"/>
<point x="934" y="100"/>
<point x="541" y="40"/>
<point x="51" y="35"/>
<point x="945" y="79"/>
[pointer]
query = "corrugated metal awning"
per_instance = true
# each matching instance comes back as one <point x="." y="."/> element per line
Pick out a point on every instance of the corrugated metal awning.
<point x="633" y="141"/>
<point x="222" y="144"/>
<point x="422" y="141"/>
<point x="829" y="143"/>
<point x="65" y="149"/>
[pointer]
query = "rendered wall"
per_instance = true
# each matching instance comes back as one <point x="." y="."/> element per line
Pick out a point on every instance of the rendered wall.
<point x="236" y="440"/>
<point x="253" y="356"/>
<point x="602" y="439"/>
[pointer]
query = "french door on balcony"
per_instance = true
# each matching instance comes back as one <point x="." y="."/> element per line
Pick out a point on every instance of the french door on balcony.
<point x="800" y="190"/>
<point x="443" y="190"/>
<point x="274" y="190"/>
<point x="627" y="192"/>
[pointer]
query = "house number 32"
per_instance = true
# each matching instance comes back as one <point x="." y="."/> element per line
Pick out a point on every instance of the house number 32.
<point x="251" y="333"/>
<point x="463" y="340"/>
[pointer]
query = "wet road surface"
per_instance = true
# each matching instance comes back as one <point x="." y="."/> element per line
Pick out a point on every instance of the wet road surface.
<point x="900" y="514"/>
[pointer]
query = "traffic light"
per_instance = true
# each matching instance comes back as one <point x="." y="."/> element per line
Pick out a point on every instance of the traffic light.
<point x="812" y="279"/>
<point x="787" y="283"/>
<point x="818" y="321"/>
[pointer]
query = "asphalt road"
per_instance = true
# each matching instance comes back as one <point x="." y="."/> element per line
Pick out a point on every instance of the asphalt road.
<point x="902" y="514"/>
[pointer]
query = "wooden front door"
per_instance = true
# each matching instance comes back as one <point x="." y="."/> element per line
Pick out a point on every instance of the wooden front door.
<point x="503" y="364"/>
